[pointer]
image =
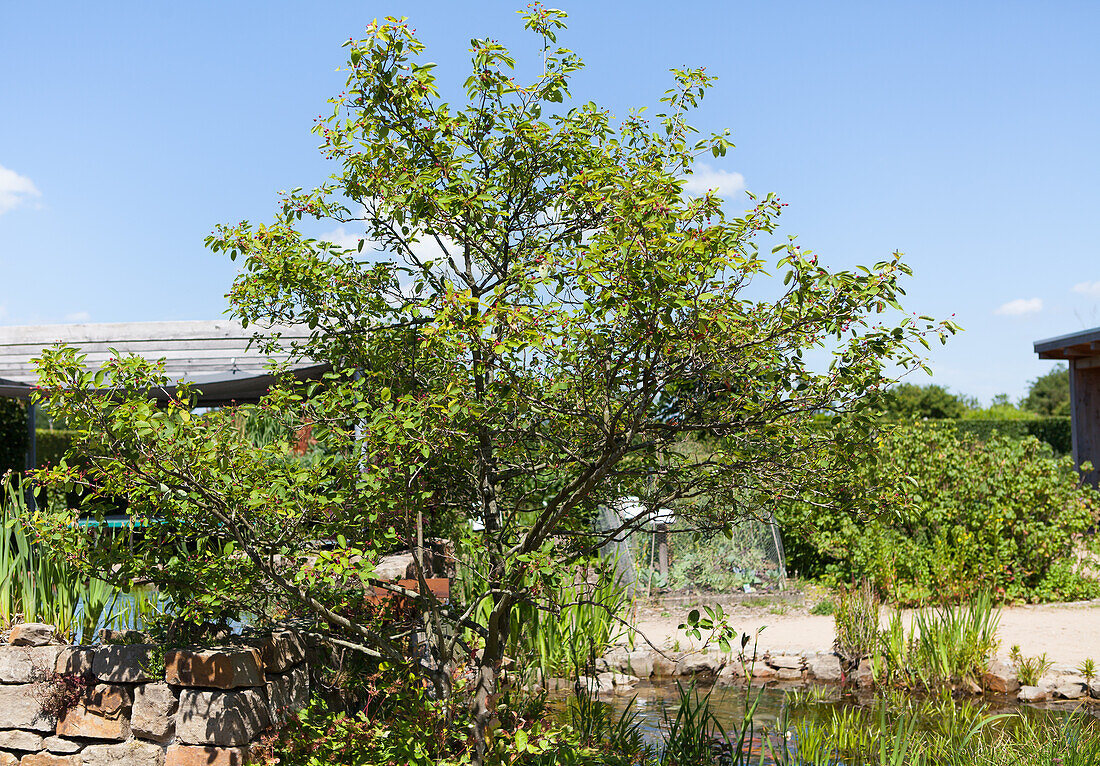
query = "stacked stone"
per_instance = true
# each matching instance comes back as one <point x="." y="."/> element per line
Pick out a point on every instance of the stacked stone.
<point x="725" y="669"/>
<point x="208" y="708"/>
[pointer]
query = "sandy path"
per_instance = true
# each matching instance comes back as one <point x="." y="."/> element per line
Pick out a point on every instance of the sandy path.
<point x="1068" y="633"/>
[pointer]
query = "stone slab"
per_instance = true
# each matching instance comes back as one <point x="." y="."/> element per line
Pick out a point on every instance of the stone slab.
<point x="132" y="753"/>
<point x="121" y="664"/>
<point x="281" y="650"/>
<point x="205" y="755"/>
<point x="785" y="662"/>
<point x="231" y="668"/>
<point x="1070" y="688"/>
<point x="61" y="746"/>
<point x="664" y="666"/>
<point x="82" y="722"/>
<point x="825" y="667"/>
<point x="1031" y="694"/>
<point x="1001" y="678"/>
<point x="760" y="671"/>
<point x="48" y="759"/>
<point x="20" y="710"/>
<point x="110" y="699"/>
<point x="699" y="664"/>
<point x="32" y="634"/>
<point x="154" y="712"/>
<point x="223" y="718"/>
<point x="111" y="636"/>
<point x="75" y="660"/>
<point x="17" y="739"/>
<point x="24" y="664"/>
<point x="287" y="693"/>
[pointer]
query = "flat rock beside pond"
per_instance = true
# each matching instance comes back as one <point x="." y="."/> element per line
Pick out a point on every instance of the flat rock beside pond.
<point x="1001" y="678"/>
<point x="32" y="634"/>
<point x="1031" y="694"/>
<point x="1069" y="688"/>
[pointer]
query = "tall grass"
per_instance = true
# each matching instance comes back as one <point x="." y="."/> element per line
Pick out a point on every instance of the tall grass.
<point x="563" y="630"/>
<point x="943" y="646"/>
<point x="856" y="617"/>
<point x="39" y="586"/>
<point x="579" y="625"/>
<point x="936" y="732"/>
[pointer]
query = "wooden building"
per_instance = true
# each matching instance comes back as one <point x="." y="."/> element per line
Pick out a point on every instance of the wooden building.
<point x="1082" y="351"/>
<point x="219" y="357"/>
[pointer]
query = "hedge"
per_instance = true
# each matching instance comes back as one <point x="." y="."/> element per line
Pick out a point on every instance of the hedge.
<point x="1054" y="430"/>
<point x="51" y="446"/>
<point x="13" y="436"/>
<point x="953" y="515"/>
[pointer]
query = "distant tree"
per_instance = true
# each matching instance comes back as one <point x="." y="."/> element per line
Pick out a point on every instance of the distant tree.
<point x="1049" y="394"/>
<point x="907" y="401"/>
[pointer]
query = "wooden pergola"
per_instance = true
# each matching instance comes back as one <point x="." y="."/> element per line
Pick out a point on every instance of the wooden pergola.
<point x="219" y="357"/>
<point x="1082" y="351"/>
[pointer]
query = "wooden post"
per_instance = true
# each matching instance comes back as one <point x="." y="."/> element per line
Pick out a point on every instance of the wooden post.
<point x="1084" y="392"/>
<point x="662" y="549"/>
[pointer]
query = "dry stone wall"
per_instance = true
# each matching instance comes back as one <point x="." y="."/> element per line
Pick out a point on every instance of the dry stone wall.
<point x="130" y="704"/>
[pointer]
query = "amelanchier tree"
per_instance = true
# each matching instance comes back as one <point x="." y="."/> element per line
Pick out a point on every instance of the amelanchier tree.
<point x="536" y="319"/>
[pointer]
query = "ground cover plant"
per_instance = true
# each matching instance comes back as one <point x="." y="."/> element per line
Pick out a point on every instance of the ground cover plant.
<point x="999" y="513"/>
<point x="535" y="322"/>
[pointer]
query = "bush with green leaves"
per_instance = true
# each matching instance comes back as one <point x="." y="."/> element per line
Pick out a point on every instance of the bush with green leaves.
<point x="954" y="512"/>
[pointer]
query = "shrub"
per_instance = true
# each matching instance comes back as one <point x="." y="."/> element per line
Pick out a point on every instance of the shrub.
<point x="954" y="512"/>
<point x="1054" y="430"/>
<point x="58" y="693"/>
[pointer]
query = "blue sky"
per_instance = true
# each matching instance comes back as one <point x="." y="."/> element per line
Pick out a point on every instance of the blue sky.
<point x="964" y="134"/>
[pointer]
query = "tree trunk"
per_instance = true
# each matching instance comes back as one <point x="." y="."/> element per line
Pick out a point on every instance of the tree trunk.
<point x="484" y="701"/>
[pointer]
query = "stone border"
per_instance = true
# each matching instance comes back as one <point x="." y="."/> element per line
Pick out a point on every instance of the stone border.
<point x="622" y="668"/>
<point x="207" y="706"/>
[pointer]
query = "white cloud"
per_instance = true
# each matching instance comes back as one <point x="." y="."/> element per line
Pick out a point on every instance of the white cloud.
<point x="344" y="238"/>
<point x="78" y="316"/>
<point x="1087" y="288"/>
<point x="15" y="189"/>
<point x="705" y="178"/>
<point x="1020" y="307"/>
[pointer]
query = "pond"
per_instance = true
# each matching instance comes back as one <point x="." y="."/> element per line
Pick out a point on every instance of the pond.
<point x="845" y="728"/>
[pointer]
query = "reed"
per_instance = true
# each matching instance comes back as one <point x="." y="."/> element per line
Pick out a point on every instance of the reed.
<point x="38" y="586"/>
<point x="944" y="646"/>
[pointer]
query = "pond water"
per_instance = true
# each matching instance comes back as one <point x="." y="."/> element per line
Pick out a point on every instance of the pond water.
<point x="780" y="713"/>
